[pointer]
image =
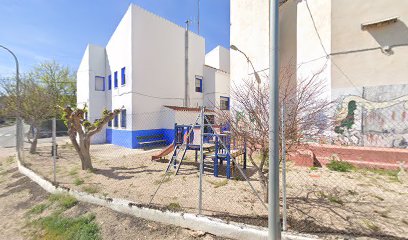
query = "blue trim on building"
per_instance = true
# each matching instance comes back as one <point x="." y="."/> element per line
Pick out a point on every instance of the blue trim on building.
<point x="123" y="73"/>
<point x="129" y="138"/>
<point x="109" y="82"/>
<point x="115" y="79"/>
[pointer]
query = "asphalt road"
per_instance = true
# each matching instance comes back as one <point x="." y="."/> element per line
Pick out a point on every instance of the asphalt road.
<point x="8" y="136"/>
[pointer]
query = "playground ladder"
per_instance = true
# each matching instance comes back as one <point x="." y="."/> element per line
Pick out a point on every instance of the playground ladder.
<point x="175" y="160"/>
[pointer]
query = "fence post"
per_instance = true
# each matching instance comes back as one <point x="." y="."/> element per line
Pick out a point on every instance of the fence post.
<point x="284" y="213"/>
<point x="200" y="188"/>
<point x="54" y="147"/>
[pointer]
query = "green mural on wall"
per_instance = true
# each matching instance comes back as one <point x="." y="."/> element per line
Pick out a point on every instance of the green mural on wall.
<point x="348" y="121"/>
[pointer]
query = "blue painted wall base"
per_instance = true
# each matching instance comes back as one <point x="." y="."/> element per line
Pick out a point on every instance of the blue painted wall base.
<point x="129" y="139"/>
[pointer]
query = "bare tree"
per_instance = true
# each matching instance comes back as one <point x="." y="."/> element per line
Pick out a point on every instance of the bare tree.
<point x="249" y="115"/>
<point x="81" y="128"/>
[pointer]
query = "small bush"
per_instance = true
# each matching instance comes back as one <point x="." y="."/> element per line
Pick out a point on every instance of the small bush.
<point x="64" y="200"/>
<point x="340" y="166"/>
<point x="313" y="168"/>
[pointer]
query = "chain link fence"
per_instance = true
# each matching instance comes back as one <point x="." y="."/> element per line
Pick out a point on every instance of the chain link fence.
<point x="330" y="186"/>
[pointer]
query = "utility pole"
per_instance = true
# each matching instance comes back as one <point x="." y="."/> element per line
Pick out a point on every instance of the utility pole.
<point x="186" y="87"/>
<point x="274" y="232"/>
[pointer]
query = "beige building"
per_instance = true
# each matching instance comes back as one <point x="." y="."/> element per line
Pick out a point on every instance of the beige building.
<point x="361" y="43"/>
<point x="360" y="46"/>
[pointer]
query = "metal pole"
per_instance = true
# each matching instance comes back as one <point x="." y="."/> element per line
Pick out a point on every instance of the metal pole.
<point x="284" y="214"/>
<point x="274" y="232"/>
<point x="186" y="88"/>
<point x="54" y="147"/>
<point x="200" y="187"/>
<point x="19" y="124"/>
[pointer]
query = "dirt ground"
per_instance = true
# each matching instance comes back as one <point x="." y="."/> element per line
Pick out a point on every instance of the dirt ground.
<point x="18" y="195"/>
<point x="361" y="204"/>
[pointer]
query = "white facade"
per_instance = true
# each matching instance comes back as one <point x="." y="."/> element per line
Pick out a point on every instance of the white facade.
<point x="325" y="35"/>
<point x="148" y="52"/>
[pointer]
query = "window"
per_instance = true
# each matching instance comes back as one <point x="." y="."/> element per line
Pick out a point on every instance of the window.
<point x="123" y="75"/>
<point x="115" y="76"/>
<point x="116" y="121"/>
<point x="199" y="84"/>
<point x="224" y="103"/>
<point x="86" y="116"/>
<point x="99" y="83"/>
<point x="109" y="82"/>
<point x="123" y="118"/>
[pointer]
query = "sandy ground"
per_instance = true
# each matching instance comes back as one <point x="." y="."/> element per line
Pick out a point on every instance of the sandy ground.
<point x="18" y="195"/>
<point x="360" y="204"/>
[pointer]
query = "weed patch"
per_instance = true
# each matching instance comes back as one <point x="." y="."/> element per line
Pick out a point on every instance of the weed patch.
<point x="91" y="189"/>
<point x="37" y="209"/>
<point x="64" y="200"/>
<point x="174" y="207"/>
<point x="218" y="184"/>
<point x="371" y="226"/>
<point x="340" y="166"/>
<point x="59" y="227"/>
<point x="78" y="181"/>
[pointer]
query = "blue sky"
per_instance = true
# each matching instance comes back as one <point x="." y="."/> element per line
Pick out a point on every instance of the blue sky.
<point x="40" y="30"/>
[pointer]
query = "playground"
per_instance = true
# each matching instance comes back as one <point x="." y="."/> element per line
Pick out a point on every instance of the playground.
<point x="359" y="202"/>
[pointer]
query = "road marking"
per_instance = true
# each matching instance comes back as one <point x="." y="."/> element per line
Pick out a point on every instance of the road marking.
<point x="7" y="135"/>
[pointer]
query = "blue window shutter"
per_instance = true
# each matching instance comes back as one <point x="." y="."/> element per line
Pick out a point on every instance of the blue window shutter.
<point x="201" y="85"/>
<point x="115" y="79"/>
<point x="123" y="118"/>
<point x="109" y="82"/>
<point x="123" y="73"/>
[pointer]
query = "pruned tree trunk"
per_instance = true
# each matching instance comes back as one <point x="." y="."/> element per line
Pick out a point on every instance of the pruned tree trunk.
<point x="33" y="146"/>
<point x="82" y="148"/>
<point x="84" y="154"/>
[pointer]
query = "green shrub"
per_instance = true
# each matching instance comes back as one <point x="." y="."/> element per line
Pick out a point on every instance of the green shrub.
<point x="340" y="166"/>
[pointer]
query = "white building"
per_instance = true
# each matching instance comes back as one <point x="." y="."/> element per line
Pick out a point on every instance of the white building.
<point x="142" y="70"/>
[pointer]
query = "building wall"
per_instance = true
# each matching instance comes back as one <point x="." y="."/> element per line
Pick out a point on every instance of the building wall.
<point x="312" y="50"/>
<point x="218" y="58"/>
<point x="250" y="33"/>
<point x="159" y="62"/>
<point x="216" y="84"/>
<point x="92" y="65"/>
<point x="368" y="68"/>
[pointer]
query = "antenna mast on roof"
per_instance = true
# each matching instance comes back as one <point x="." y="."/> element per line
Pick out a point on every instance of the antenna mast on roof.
<point x="198" y="18"/>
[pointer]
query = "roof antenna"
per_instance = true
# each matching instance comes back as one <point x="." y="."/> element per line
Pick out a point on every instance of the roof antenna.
<point x="198" y="18"/>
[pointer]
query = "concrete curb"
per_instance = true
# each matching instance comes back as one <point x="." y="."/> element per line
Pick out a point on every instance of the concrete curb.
<point x="214" y="226"/>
